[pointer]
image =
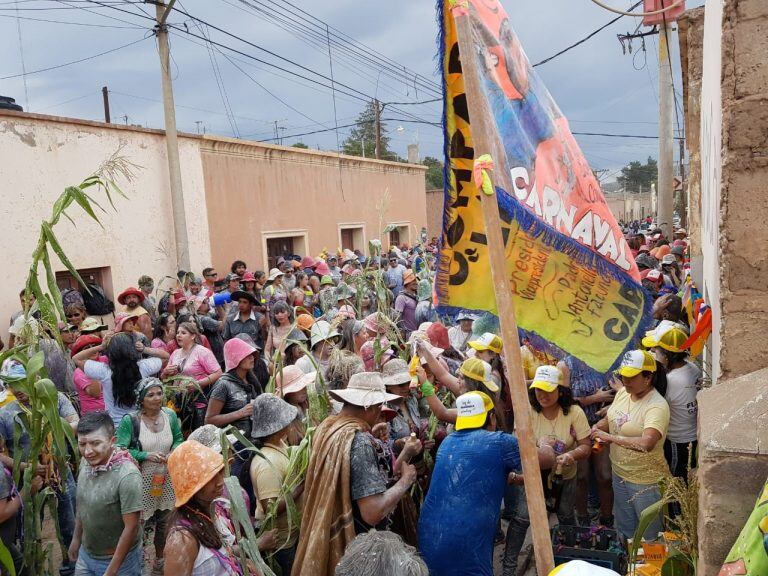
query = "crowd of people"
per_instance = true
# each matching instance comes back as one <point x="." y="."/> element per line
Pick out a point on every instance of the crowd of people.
<point x="413" y="459"/>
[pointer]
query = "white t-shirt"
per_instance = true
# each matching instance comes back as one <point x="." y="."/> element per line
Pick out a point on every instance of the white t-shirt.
<point x="103" y="373"/>
<point x="682" y="386"/>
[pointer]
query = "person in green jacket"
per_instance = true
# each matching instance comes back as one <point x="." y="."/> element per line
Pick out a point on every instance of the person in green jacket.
<point x="150" y="434"/>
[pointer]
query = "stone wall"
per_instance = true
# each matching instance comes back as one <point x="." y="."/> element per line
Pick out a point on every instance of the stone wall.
<point x="744" y="195"/>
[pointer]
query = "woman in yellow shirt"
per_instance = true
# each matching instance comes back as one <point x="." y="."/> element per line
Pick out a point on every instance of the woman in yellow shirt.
<point x="636" y="426"/>
<point x="561" y="423"/>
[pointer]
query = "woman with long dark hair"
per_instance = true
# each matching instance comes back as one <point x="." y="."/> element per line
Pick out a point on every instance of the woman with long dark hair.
<point x="123" y="370"/>
<point x="281" y="317"/>
<point x="558" y="421"/>
<point x="195" y="545"/>
<point x="165" y="333"/>
<point x="636" y="427"/>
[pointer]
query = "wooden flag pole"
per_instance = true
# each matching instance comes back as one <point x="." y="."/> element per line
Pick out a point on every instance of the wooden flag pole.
<point x="484" y="141"/>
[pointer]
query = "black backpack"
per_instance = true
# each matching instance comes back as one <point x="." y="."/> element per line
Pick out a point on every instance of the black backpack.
<point x="96" y="302"/>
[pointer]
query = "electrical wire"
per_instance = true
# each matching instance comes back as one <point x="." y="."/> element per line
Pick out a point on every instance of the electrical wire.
<point x="72" y="23"/>
<point x="642" y="14"/>
<point x="620" y="135"/>
<point x="575" y="44"/>
<point x="78" y="61"/>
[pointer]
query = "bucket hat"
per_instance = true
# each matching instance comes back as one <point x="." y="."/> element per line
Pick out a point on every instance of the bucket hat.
<point x="479" y="370"/>
<point x="271" y="414"/>
<point x="396" y="372"/>
<point x="636" y="361"/>
<point x="472" y="410"/>
<point x="326" y="280"/>
<point x="547" y="378"/>
<point x="191" y="466"/>
<point x="438" y="336"/>
<point x="132" y="291"/>
<point x="237" y="294"/>
<point x="321" y="330"/>
<point x="292" y="379"/>
<point x="308" y="262"/>
<point x="248" y="277"/>
<point x="464" y="315"/>
<point x="668" y="335"/>
<point x="84" y="341"/>
<point x="122" y="318"/>
<point x="179" y="298"/>
<point x="210" y="436"/>
<point x="372" y="323"/>
<point x="487" y="341"/>
<point x="274" y="273"/>
<point x="344" y="292"/>
<point x="677" y="251"/>
<point x="322" y="268"/>
<point x="235" y="351"/>
<point x="408" y="277"/>
<point x="305" y="321"/>
<point x="368" y="352"/>
<point x="364" y="389"/>
<point x="347" y="311"/>
<point x="91" y="324"/>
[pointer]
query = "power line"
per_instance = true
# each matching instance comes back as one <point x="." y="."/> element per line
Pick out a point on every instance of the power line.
<point x="574" y="45"/>
<point x="72" y="23"/>
<point x="74" y="61"/>
<point x="621" y="135"/>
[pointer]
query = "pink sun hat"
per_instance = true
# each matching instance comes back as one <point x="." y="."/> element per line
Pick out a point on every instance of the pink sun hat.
<point x="235" y="351"/>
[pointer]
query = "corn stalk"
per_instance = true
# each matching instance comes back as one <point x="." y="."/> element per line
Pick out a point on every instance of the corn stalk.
<point x="51" y="438"/>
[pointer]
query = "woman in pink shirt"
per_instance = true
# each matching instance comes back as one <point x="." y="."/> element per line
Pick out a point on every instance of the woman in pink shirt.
<point x="194" y="360"/>
<point x="88" y="390"/>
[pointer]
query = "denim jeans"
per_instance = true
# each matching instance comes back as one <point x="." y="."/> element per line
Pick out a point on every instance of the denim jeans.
<point x="87" y="566"/>
<point x="518" y="526"/>
<point x="629" y="501"/>
<point x="66" y="513"/>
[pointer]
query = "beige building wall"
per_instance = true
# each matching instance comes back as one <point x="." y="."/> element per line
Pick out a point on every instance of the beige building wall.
<point x="627" y="206"/>
<point x="44" y="154"/>
<point x="435" y="202"/>
<point x="257" y="192"/>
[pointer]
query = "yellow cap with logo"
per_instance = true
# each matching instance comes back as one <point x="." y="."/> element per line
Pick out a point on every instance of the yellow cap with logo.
<point x="472" y="410"/>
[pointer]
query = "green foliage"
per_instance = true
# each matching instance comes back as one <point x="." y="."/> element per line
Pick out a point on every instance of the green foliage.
<point x="434" y="176"/>
<point x="365" y="131"/>
<point x="51" y="438"/>
<point x="636" y="177"/>
<point x="300" y="145"/>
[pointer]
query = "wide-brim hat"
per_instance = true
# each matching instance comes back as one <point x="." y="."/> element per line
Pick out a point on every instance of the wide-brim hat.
<point x="237" y="294"/>
<point x="270" y="415"/>
<point x="274" y="273"/>
<point x="235" y="351"/>
<point x="132" y="291"/>
<point x="464" y="315"/>
<point x="408" y="277"/>
<point x="322" y="268"/>
<point x="396" y="372"/>
<point x="292" y="379"/>
<point x="365" y="389"/>
<point x="123" y="317"/>
<point x="322" y="330"/>
<point x="308" y="262"/>
<point x="191" y="466"/>
<point x="91" y="324"/>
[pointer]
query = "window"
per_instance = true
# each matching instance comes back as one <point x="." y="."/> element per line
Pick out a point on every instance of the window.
<point x="394" y="237"/>
<point x="399" y="234"/>
<point x="283" y="243"/>
<point x="100" y="276"/>
<point x="352" y="236"/>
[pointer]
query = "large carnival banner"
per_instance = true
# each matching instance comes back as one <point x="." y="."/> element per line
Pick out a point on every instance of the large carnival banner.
<point x="574" y="281"/>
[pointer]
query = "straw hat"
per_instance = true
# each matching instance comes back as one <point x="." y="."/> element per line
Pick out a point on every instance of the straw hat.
<point x="130" y="292"/>
<point x="235" y="351"/>
<point x="270" y="415"/>
<point x="364" y="389"/>
<point x="91" y="324"/>
<point x="396" y="373"/>
<point x="191" y="466"/>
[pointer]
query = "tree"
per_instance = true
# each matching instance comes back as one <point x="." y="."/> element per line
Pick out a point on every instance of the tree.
<point x="434" y="176"/>
<point x="636" y="176"/>
<point x="300" y="145"/>
<point x="364" y="134"/>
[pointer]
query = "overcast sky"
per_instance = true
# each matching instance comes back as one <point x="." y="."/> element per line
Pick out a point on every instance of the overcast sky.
<point x="599" y="88"/>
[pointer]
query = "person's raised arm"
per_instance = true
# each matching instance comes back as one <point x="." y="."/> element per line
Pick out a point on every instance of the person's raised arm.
<point x="87" y="354"/>
<point x="438" y="408"/>
<point x="438" y="370"/>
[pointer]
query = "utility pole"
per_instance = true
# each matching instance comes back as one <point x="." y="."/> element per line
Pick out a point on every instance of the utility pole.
<point x="362" y="143"/>
<point x="666" y="101"/>
<point x="172" y="139"/>
<point x="377" y="112"/>
<point x="105" y="96"/>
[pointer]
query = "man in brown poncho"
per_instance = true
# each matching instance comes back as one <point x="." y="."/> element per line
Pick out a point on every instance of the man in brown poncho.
<point x="346" y="487"/>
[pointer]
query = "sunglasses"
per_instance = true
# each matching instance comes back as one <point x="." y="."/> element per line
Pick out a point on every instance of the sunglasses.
<point x="212" y="275"/>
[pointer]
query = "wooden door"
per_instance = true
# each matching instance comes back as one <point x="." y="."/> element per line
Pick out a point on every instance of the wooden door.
<point x="348" y="238"/>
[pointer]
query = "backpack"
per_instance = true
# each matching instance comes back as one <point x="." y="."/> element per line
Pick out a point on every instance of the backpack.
<point x="71" y="297"/>
<point x="96" y="302"/>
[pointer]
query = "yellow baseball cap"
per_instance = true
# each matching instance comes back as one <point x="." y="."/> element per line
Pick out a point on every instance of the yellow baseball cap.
<point x="635" y="362"/>
<point x="547" y="378"/>
<point x="479" y="370"/>
<point x="668" y="335"/>
<point x="473" y="408"/>
<point x="487" y="341"/>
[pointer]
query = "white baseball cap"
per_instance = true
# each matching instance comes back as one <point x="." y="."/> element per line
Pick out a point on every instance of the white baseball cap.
<point x="547" y="378"/>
